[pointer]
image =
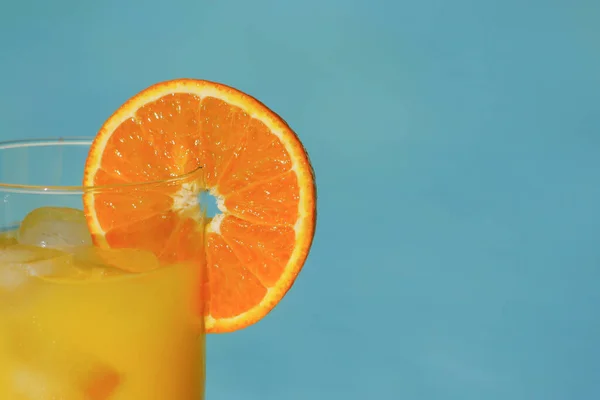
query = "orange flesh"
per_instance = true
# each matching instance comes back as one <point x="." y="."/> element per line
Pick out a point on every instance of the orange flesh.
<point x="244" y="164"/>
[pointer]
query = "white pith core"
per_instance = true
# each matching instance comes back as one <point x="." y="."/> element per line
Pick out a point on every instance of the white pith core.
<point x="186" y="201"/>
<point x="186" y="197"/>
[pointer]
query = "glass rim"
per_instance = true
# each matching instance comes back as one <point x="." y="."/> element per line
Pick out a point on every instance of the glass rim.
<point x="74" y="189"/>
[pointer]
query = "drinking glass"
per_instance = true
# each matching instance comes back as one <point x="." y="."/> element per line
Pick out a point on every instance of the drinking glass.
<point x="82" y="321"/>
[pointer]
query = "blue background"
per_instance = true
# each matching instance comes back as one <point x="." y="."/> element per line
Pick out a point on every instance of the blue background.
<point x="456" y="146"/>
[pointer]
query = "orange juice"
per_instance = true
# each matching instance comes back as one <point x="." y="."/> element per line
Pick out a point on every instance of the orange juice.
<point x="80" y="323"/>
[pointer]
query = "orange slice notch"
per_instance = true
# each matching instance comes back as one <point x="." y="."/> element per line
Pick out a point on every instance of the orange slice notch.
<point x="252" y="163"/>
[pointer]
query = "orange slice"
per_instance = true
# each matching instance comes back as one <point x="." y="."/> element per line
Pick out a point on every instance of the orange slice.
<point x="251" y="162"/>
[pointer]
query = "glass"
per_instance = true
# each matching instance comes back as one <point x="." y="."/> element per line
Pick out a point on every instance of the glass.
<point x="78" y="322"/>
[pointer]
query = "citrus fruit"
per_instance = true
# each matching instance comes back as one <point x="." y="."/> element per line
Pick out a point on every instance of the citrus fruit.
<point x="250" y="161"/>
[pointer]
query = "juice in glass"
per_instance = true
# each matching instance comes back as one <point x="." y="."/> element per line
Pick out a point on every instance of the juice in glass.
<point x="82" y="323"/>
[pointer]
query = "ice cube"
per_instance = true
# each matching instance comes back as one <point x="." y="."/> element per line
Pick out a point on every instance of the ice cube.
<point x="12" y="277"/>
<point x="24" y="254"/>
<point x="29" y="383"/>
<point x="72" y="382"/>
<point x="38" y="367"/>
<point x="18" y="262"/>
<point x="124" y="260"/>
<point x="56" y="227"/>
